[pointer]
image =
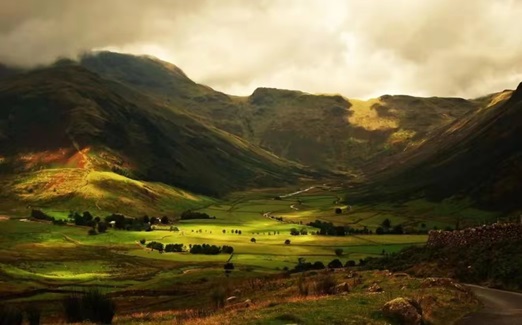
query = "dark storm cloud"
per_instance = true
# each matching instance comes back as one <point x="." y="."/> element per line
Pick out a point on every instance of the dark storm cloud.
<point x="357" y="48"/>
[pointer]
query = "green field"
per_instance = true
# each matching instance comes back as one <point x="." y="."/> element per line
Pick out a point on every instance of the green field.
<point x="41" y="262"/>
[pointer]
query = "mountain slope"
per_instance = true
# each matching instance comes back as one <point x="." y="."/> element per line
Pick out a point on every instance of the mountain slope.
<point x="50" y="115"/>
<point x="478" y="156"/>
<point x="317" y="130"/>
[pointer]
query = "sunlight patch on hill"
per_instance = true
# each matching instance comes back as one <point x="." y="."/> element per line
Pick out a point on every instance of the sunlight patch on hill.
<point x="365" y="116"/>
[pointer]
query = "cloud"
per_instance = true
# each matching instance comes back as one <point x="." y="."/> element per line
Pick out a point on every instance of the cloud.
<point x="357" y="48"/>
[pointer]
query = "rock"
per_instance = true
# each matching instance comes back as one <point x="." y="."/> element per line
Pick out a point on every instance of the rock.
<point x="341" y="288"/>
<point x="231" y="299"/>
<point x="442" y="282"/>
<point x="403" y="310"/>
<point x="437" y="282"/>
<point x="401" y="275"/>
<point x="375" y="288"/>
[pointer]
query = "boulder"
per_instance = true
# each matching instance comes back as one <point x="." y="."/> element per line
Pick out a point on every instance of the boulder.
<point x="341" y="288"/>
<point x="375" y="288"/>
<point x="403" y="310"/>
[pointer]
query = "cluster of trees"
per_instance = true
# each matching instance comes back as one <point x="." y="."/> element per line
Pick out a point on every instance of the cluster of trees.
<point x="169" y="248"/>
<point x="189" y="214"/>
<point x="40" y="215"/>
<point x="208" y="249"/>
<point x="296" y="232"/>
<point x="386" y="228"/>
<point x="328" y="228"/>
<point x="303" y="265"/>
<point x="233" y="231"/>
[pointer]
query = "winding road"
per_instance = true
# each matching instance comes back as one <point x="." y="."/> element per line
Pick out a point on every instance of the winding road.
<point x="500" y="307"/>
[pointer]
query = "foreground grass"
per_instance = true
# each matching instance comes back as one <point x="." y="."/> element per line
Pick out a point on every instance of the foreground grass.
<point x="280" y="302"/>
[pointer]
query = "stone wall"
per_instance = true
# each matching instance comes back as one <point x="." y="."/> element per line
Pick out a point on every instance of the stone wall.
<point x="489" y="234"/>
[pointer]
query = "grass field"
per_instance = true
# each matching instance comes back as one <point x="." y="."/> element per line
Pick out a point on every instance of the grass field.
<point x="42" y="262"/>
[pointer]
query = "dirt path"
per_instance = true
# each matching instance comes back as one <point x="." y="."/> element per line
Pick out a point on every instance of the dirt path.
<point x="500" y="307"/>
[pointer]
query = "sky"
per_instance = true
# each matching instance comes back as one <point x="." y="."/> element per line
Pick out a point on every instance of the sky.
<point x="359" y="48"/>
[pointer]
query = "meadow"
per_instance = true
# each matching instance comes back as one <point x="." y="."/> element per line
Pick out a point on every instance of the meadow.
<point x="41" y="262"/>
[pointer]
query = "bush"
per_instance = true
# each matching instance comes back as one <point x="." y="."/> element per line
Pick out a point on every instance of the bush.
<point x="338" y="210"/>
<point x="174" y="248"/>
<point x="165" y="220"/>
<point x="302" y="286"/>
<point x="325" y="284"/>
<point x="218" y="297"/>
<point x="92" y="306"/>
<point x="287" y="242"/>
<point x="92" y="232"/>
<point x="339" y="252"/>
<point x="227" y="249"/>
<point x="252" y="240"/>
<point x="143" y="241"/>
<point x="33" y="315"/>
<point x="10" y="316"/>
<point x="350" y="263"/>
<point x="102" y="227"/>
<point x="335" y="264"/>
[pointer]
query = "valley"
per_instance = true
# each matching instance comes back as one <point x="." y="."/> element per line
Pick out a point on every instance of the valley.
<point x="125" y="180"/>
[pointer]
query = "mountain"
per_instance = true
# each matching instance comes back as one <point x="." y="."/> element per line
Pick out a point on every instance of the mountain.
<point x="66" y="116"/>
<point x="478" y="157"/>
<point x="143" y="119"/>
<point x="325" y="131"/>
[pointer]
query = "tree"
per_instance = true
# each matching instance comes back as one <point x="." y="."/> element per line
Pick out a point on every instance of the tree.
<point x="398" y="230"/>
<point x="386" y="223"/>
<point x="379" y="231"/>
<point x="287" y="242"/>
<point x="335" y="264"/>
<point x="164" y="220"/>
<point x="252" y="240"/>
<point x="146" y="219"/>
<point x="350" y="263"/>
<point x="339" y="252"/>
<point x="228" y="268"/>
<point x="224" y="231"/>
<point x="102" y="227"/>
<point x="294" y="232"/>
<point x="338" y="210"/>
<point x="304" y="231"/>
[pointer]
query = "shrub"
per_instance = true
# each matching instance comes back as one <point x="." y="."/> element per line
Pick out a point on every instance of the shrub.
<point x="302" y="286"/>
<point x="294" y="232"/>
<point x="325" y="284"/>
<point x="218" y="297"/>
<point x="287" y="242"/>
<point x="165" y="220"/>
<point x="338" y="210"/>
<point x="10" y="316"/>
<point x="73" y="308"/>
<point x="92" y="306"/>
<point x="227" y="249"/>
<point x="33" y="315"/>
<point x="143" y="241"/>
<point x="339" y="252"/>
<point x="350" y="263"/>
<point x="228" y="268"/>
<point x="92" y="232"/>
<point x="252" y="240"/>
<point x="102" y="227"/>
<point x="335" y="264"/>
<point x="318" y="265"/>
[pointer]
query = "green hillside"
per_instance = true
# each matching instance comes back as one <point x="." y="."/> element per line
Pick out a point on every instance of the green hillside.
<point x="68" y="117"/>
<point x="477" y="157"/>
<point x="327" y="131"/>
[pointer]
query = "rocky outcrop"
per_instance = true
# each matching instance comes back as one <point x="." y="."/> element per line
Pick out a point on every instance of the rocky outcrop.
<point x="498" y="232"/>
<point x="403" y="310"/>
